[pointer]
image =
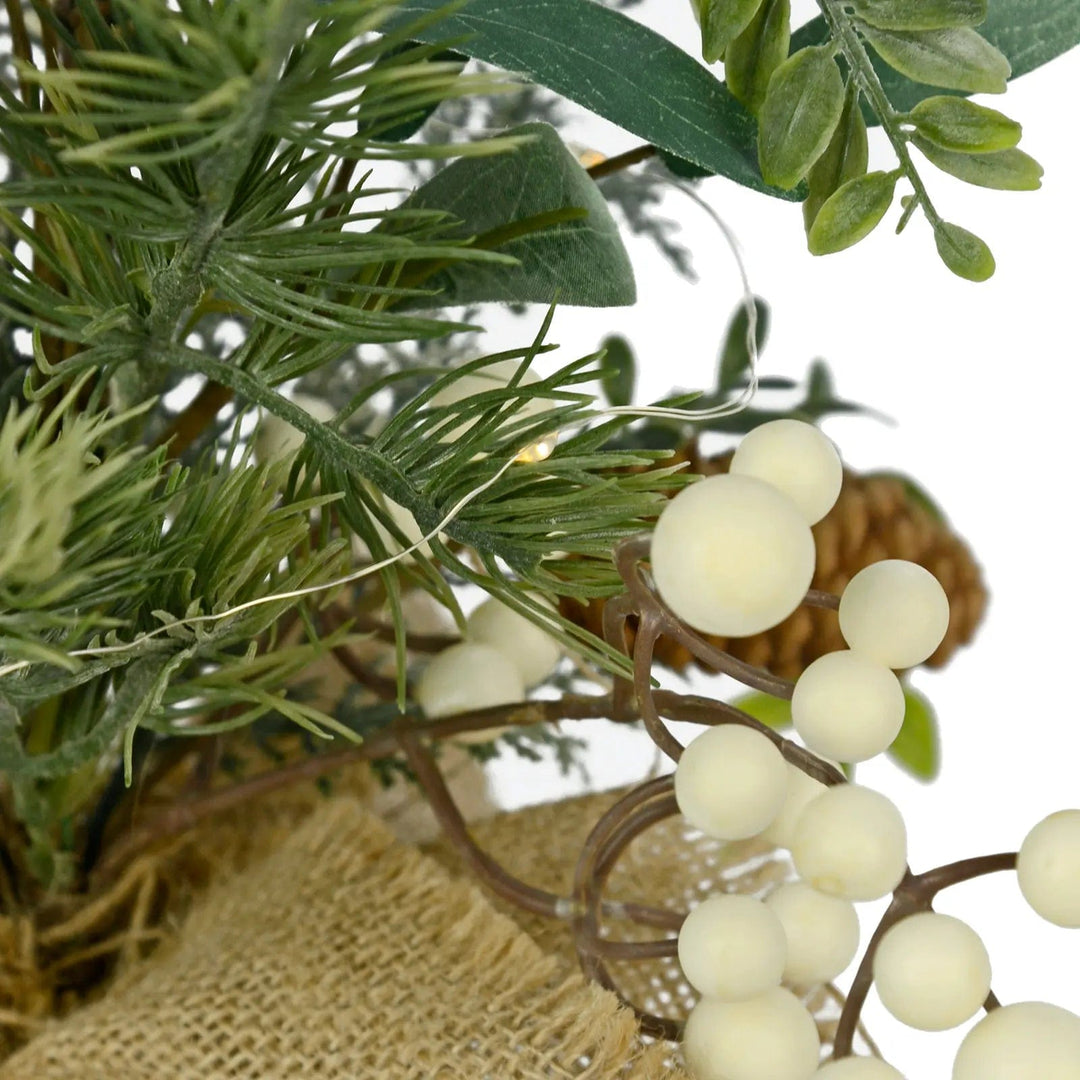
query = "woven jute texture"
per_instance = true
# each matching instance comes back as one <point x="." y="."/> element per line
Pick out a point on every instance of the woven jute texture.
<point x="347" y="954"/>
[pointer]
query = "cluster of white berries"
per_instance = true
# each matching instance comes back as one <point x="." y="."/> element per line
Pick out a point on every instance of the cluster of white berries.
<point x="733" y="555"/>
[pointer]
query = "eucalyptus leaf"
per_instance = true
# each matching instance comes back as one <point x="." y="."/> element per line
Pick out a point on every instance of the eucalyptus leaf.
<point x="920" y="14"/>
<point x="958" y="58"/>
<point x="801" y="109"/>
<point x="958" y="124"/>
<point x="611" y="65"/>
<point x="917" y="748"/>
<point x="721" y="22"/>
<point x="851" y="212"/>
<point x="1005" y="170"/>
<point x="580" y="261"/>
<point x="734" y="364"/>
<point x="619" y="370"/>
<point x="963" y="252"/>
<point x="845" y="157"/>
<point x="757" y="52"/>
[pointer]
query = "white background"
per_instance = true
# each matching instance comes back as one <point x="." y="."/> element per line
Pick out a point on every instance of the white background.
<point x="983" y="383"/>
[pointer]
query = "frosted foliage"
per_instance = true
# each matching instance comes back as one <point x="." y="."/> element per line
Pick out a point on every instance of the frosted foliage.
<point x="1030" y="1040"/>
<point x="732" y="948"/>
<point x="894" y="612"/>
<point x="490" y="377"/>
<point x="275" y="438"/>
<point x="796" y="458"/>
<point x="534" y="653"/>
<point x="851" y="842"/>
<point x="858" y="1068"/>
<point x="800" y="790"/>
<point x="468" y="676"/>
<point x="847" y="707"/>
<point x="731" y="555"/>
<point x="932" y="971"/>
<point x="1048" y="868"/>
<point x="730" y="782"/>
<point x="770" y="1037"/>
<point x="822" y="932"/>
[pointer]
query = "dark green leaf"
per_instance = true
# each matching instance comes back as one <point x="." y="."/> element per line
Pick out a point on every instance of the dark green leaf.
<point x="801" y="110"/>
<point x="619" y="370"/>
<point x="917" y="748"/>
<point x="757" y="52"/>
<point x="958" y="124"/>
<point x="963" y="252"/>
<point x="845" y="157"/>
<point x="611" y="65"/>
<point x="734" y="355"/>
<point x="771" y="711"/>
<point x="1005" y="170"/>
<point x="578" y="261"/>
<point x="958" y="58"/>
<point x="851" y="212"/>
<point x="721" y="22"/>
<point x="920" y="14"/>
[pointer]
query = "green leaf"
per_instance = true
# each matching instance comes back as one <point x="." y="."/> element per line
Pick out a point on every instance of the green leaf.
<point x="801" y="110"/>
<point x="958" y="58"/>
<point x="721" y="22"/>
<point x="845" y="157"/>
<point x="611" y="65"/>
<point x="757" y="52"/>
<point x="958" y="124"/>
<point x="578" y="261"/>
<point x="917" y="749"/>
<point x="1005" y="170"/>
<point x="963" y="252"/>
<point x="920" y="14"/>
<point x="734" y="364"/>
<point x="851" y="212"/>
<point x="771" y="711"/>
<point x="619" y="370"/>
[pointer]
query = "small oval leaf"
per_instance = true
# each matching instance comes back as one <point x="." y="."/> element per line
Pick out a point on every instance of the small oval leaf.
<point x="958" y="58"/>
<point x="722" y="21"/>
<point x="1004" y="170"/>
<point x="958" y="124"/>
<point x="917" y="748"/>
<point x="734" y="362"/>
<point x="851" y="212"/>
<point x="920" y="14"/>
<point x="771" y="711"/>
<point x="845" y="157"/>
<point x="757" y="52"/>
<point x="963" y="252"/>
<point x="801" y="109"/>
<point x="619" y="370"/>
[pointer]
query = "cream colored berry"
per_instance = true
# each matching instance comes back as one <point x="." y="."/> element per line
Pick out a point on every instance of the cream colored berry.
<point x="851" y="842"/>
<point x="770" y="1036"/>
<point x="932" y="971"/>
<point x="732" y="948"/>
<point x="894" y="612"/>
<point x="276" y="438"/>
<point x="534" y="653"/>
<point x="847" y="707"/>
<point x="801" y="788"/>
<point x="858" y="1068"/>
<point x="466" y="677"/>
<point x="796" y="458"/>
<point x="822" y="932"/>
<point x="1048" y="868"/>
<point x="1030" y="1040"/>
<point x="731" y="555"/>
<point x="730" y="782"/>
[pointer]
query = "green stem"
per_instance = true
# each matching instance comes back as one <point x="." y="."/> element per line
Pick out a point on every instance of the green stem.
<point x="862" y="71"/>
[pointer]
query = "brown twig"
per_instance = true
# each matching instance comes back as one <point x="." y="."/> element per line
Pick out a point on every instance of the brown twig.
<point x="621" y="161"/>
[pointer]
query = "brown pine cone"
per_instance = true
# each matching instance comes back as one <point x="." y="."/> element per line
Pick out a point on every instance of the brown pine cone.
<point x="877" y="516"/>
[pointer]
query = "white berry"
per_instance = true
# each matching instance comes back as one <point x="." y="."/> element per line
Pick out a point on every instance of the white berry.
<point x="732" y="948"/>
<point x="1048" y="868"/>
<point x="1030" y="1040"/>
<point x="731" y="555"/>
<point x="851" y="842"/>
<point x="465" y="677"/>
<point x="534" y="653"/>
<point x="801" y="788"/>
<point x="771" y="1036"/>
<point x="932" y="971"/>
<point x="847" y="707"/>
<point x="276" y="438"/>
<point x="796" y="458"/>
<point x="858" y="1068"/>
<point x="822" y="932"/>
<point x="894" y="612"/>
<point x="730" y="782"/>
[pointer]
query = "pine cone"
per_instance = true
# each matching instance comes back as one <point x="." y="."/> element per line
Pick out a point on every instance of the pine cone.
<point x="877" y="516"/>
